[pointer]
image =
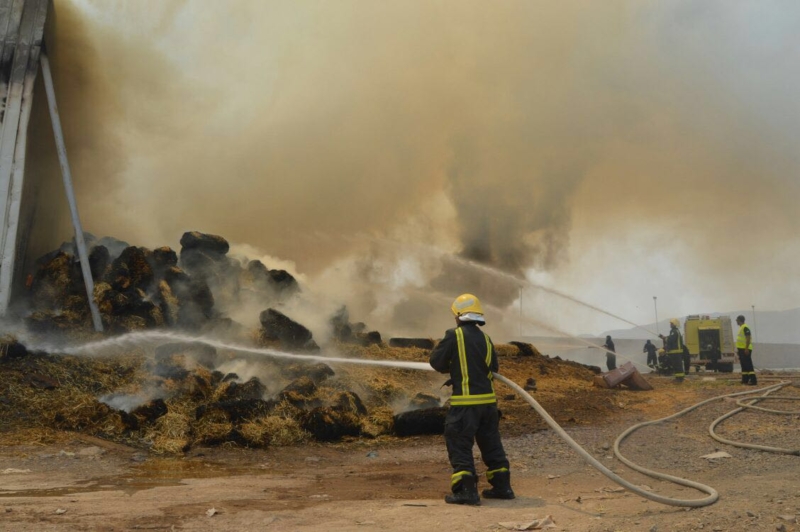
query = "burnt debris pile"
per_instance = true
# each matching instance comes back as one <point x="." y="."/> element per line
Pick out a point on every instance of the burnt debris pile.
<point x="137" y="288"/>
<point x="179" y="395"/>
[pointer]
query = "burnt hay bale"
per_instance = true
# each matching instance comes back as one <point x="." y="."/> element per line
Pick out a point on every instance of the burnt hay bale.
<point x="163" y="258"/>
<point x="195" y="300"/>
<point x="349" y="402"/>
<point x="99" y="259"/>
<point x="424" y="401"/>
<point x="237" y="410"/>
<point x="56" y="277"/>
<point x="170" y="371"/>
<point x="278" y="282"/>
<point x="526" y="350"/>
<point x="149" y="412"/>
<point x="214" y="439"/>
<point x="369" y="338"/>
<point x="205" y="242"/>
<point x="327" y="424"/>
<point x="302" y="385"/>
<point x="131" y="270"/>
<point x="250" y="390"/>
<point x="317" y="372"/>
<point x="299" y="401"/>
<point x="417" y="422"/>
<point x="420" y="343"/>
<point x="11" y="348"/>
<point x="290" y="334"/>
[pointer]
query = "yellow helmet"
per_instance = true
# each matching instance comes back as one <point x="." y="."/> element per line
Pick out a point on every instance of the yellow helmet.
<point x="675" y="321"/>
<point x="466" y="304"/>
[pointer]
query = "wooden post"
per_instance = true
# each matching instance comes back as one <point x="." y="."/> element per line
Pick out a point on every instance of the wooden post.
<point x="67" y="177"/>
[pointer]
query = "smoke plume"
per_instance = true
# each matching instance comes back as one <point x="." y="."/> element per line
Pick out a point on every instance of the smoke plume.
<point x="525" y="136"/>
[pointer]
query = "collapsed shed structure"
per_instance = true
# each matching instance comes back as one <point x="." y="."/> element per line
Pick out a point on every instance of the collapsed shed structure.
<point x="23" y="28"/>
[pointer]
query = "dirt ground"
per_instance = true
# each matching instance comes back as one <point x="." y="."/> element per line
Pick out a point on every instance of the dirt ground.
<point x="84" y="483"/>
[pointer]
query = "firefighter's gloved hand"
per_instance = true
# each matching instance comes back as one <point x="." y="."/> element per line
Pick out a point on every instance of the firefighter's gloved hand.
<point x="448" y="382"/>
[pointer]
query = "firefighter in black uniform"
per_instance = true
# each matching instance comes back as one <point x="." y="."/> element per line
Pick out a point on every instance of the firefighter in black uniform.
<point x="468" y="355"/>
<point x="673" y="345"/>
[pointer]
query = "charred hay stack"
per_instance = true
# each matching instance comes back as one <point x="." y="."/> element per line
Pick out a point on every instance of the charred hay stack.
<point x="178" y="396"/>
<point x="174" y="396"/>
<point x="137" y="288"/>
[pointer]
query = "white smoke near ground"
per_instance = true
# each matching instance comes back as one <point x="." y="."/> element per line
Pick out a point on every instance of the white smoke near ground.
<point x="621" y="147"/>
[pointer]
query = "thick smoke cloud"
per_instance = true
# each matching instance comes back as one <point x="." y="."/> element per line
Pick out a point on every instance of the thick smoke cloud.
<point x="517" y="136"/>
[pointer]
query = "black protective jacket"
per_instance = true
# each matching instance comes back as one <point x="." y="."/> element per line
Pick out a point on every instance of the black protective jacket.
<point x="674" y="342"/>
<point x="467" y="353"/>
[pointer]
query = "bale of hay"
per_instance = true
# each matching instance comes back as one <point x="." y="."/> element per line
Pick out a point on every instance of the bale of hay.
<point x="237" y="410"/>
<point x="419" y="343"/>
<point x="424" y="401"/>
<point x="380" y="421"/>
<point x="291" y="335"/>
<point x="302" y="385"/>
<point x="317" y="372"/>
<point x="277" y="431"/>
<point x="417" y="422"/>
<point x="349" y="402"/>
<point x="204" y="242"/>
<point x="170" y="434"/>
<point x="326" y="424"/>
<point x="150" y="411"/>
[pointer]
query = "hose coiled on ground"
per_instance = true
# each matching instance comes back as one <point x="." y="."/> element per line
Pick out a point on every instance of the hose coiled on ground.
<point x="713" y="496"/>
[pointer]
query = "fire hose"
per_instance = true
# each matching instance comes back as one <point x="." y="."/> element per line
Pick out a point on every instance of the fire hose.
<point x="713" y="496"/>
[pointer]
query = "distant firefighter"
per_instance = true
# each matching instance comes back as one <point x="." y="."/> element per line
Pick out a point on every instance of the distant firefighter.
<point x="744" y="348"/>
<point x="673" y="345"/>
<point x="611" y="357"/>
<point x="650" y="349"/>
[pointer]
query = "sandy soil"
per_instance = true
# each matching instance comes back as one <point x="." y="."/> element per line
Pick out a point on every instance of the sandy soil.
<point x="83" y="483"/>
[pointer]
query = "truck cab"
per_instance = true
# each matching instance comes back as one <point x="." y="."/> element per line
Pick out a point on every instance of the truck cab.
<point x="710" y="342"/>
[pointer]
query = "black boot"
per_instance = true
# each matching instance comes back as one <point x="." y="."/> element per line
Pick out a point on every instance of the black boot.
<point x="501" y="486"/>
<point x="465" y="491"/>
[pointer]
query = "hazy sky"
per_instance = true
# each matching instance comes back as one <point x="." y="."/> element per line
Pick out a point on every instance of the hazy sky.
<point x="613" y="151"/>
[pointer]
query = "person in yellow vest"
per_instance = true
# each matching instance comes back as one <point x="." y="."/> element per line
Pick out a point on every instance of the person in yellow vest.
<point x="673" y="345"/>
<point x="744" y="348"/>
<point x="468" y="355"/>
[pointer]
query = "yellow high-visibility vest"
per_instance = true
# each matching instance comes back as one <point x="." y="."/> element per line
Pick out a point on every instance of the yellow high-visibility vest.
<point x="741" y="339"/>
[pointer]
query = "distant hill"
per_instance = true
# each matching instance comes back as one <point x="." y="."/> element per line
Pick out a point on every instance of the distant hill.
<point x="770" y="326"/>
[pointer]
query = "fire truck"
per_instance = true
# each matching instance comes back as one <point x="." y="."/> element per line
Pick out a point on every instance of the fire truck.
<point x="710" y="342"/>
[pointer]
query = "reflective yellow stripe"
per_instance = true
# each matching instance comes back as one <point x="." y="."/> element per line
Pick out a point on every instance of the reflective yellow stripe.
<point x="489" y="360"/>
<point x="455" y="478"/>
<point x="466" y="400"/>
<point x="462" y="359"/>
<point x="488" y="354"/>
<point x="493" y="472"/>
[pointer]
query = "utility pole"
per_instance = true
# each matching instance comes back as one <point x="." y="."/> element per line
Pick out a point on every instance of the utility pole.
<point x="755" y="329"/>
<point x="520" y="313"/>
<point x="655" y="305"/>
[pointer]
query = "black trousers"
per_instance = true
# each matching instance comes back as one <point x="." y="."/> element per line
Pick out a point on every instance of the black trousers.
<point x="467" y="425"/>
<point x="748" y="371"/>
<point x="611" y="361"/>
<point x="676" y="363"/>
<point x="651" y="359"/>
